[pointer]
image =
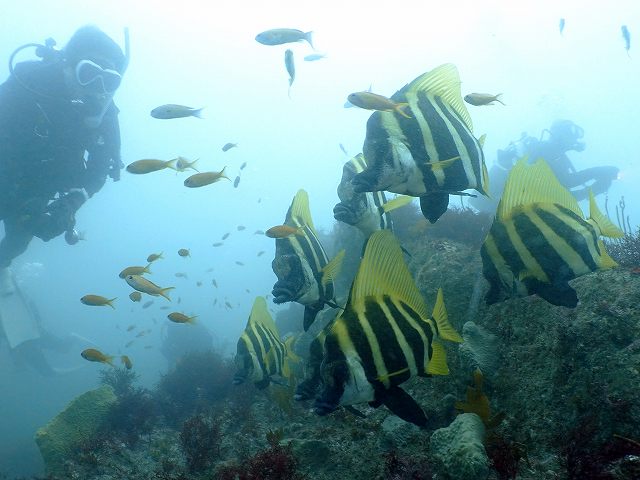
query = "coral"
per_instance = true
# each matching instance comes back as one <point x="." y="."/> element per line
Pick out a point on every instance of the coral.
<point x="133" y="415"/>
<point x="120" y="379"/>
<point x="625" y="250"/>
<point x="460" y="448"/>
<point x="201" y="439"/>
<point x="275" y="463"/>
<point x="505" y="455"/>
<point x="405" y="468"/>
<point x="480" y="347"/>
<point x="76" y="424"/>
<point x="198" y="380"/>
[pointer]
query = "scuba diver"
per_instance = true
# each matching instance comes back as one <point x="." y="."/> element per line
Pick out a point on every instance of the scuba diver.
<point x="563" y="136"/>
<point x="59" y="140"/>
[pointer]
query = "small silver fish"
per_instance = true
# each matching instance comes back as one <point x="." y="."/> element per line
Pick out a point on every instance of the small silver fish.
<point x="315" y="56"/>
<point x="166" y="112"/>
<point x="291" y="68"/>
<point x="280" y="36"/>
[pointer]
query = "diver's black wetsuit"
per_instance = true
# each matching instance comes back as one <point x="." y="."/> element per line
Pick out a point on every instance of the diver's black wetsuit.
<point x="45" y="151"/>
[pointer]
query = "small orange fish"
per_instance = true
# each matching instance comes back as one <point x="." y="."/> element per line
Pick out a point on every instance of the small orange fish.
<point x="373" y="101"/>
<point x="178" y="317"/>
<point x="184" y="252"/>
<point x="134" y="271"/>
<point x="261" y="252"/>
<point x="135" y="296"/>
<point x="94" y="355"/>
<point x="239" y="263"/>
<point x="97" y="301"/>
<point x="154" y="256"/>
<point x="126" y="362"/>
<point x="225" y="236"/>
<point x="240" y="227"/>
<point x="218" y="244"/>
<point x="283" y="231"/>
<point x="205" y="178"/>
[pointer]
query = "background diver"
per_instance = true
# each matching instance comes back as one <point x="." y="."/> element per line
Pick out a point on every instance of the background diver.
<point x="59" y="140"/>
<point x="554" y="143"/>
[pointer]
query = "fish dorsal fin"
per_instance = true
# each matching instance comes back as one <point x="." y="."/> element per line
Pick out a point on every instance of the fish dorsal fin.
<point x="444" y="82"/>
<point x="397" y="202"/>
<point x="383" y="272"/>
<point x="438" y="362"/>
<point x="445" y="329"/>
<point x="260" y="314"/>
<point x="331" y="270"/>
<point x="606" y="227"/>
<point x="535" y="183"/>
<point x="299" y="213"/>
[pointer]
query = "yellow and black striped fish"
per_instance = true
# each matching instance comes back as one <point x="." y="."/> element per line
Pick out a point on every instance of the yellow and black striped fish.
<point x="369" y="211"/>
<point x="539" y="240"/>
<point x="432" y="154"/>
<point x="384" y="337"/>
<point x="305" y="274"/>
<point x="260" y="353"/>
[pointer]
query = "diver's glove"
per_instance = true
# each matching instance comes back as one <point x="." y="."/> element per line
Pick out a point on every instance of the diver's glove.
<point x="60" y="215"/>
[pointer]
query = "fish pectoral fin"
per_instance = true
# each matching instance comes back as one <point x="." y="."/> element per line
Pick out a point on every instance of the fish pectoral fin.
<point x="397" y="202"/>
<point x="433" y="205"/>
<point x="309" y="317"/>
<point x="331" y="270"/>
<point x="438" y="361"/>
<point x="404" y="406"/>
<point x="605" y="260"/>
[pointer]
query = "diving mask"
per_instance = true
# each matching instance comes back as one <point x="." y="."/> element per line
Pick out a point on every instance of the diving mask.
<point x="92" y="76"/>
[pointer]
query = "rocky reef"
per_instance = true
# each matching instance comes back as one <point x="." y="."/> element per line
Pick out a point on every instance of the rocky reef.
<point x="557" y="397"/>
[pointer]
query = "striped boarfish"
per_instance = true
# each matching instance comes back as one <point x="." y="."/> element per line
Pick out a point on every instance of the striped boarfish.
<point x="432" y="154"/>
<point x="260" y="353"/>
<point x="384" y="337"/>
<point x="305" y="274"/>
<point x="539" y="240"/>
<point x="366" y="211"/>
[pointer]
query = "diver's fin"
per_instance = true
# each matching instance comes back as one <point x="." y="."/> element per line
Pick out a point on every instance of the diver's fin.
<point x="433" y="205"/>
<point x="403" y="405"/>
<point x="17" y="319"/>
<point x="560" y="294"/>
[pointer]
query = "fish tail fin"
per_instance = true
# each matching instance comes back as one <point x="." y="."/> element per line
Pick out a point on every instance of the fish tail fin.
<point x="109" y="359"/>
<point x="110" y="302"/>
<point x="223" y="174"/>
<point x="445" y="329"/>
<point x="147" y="269"/>
<point x="198" y="113"/>
<point x="399" y="108"/>
<point x="308" y="36"/>
<point x="193" y="165"/>
<point x="606" y="227"/>
<point x="192" y="320"/>
<point x="331" y="270"/>
<point x="172" y="164"/>
<point x="498" y="99"/>
<point x="163" y="292"/>
<point x="605" y="260"/>
<point x="397" y="202"/>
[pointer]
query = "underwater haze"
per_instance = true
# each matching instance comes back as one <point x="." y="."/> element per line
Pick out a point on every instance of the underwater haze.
<point x="204" y="55"/>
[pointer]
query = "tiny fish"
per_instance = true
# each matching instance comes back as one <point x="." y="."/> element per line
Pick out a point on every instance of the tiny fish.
<point x="314" y="57"/>
<point x="183" y="164"/>
<point x="140" y="167"/>
<point x="562" y="22"/>
<point x="247" y="290"/>
<point x="218" y="244"/>
<point x="479" y="99"/>
<point x="215" y="301"/>
<point x="179" y="300"/>
<point x="154" y="256"/>
<point x="184" y="252"/>
<point x="228" y="305"/>
<point x="239" y="263"/>
<point x="135" y="296"/>
<point x="198" y="283"/>
<point x="147" y="304"/>
<point x="244" y="164"/>
<point x="148" y="347"/>
<point x="214" y="283"/>
<point x="344" y="150"/>
<point x="134" y="271"/>
<point x="130" y="327"/>
<point x="280" y="36"/>
<point x="129" y="343"/>
<point x="178" y="317"/>
<point x="97" y="301"/>
<point x="240" y="228"/>
<point x="141" y="334"/>
<point x="166" y="112"/>
<point x="228" y="146"/>
<point x="126" y="361"/>
<point x="181" y="275"/>
<point x="260" y="253"/>
<point x="258" y="232"/>
<point x="236" y="182"/>
<point x="226" y="235"/>
<point x="290" y="66"/>
<point x="626" y="36"/>
<point x="94" y="355"/>
<point x="283" y="231"/>
<point x="373" y="101"/>
<point x="205" y="178"/>
<point x="164" y="308"/>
